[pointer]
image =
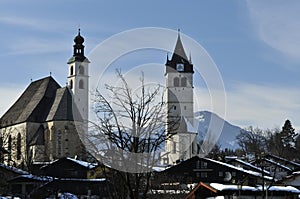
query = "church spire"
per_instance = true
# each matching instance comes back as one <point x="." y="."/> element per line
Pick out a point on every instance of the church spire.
<point x="78" y="49"/>
<point x="179" y="52"/>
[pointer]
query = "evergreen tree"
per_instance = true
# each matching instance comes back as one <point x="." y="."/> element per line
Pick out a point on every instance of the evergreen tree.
<point x="288" y="140"/>
<point x="288" y="135"/>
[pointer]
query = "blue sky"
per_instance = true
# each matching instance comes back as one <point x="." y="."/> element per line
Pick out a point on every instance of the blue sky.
<point x="255" y="45"/>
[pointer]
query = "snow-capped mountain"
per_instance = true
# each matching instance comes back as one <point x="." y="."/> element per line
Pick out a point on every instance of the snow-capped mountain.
<point x="210" y="122"/>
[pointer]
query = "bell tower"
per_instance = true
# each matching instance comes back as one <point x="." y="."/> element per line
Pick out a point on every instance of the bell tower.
<point x="180" y="106"/>
<point x="78" y="79"/>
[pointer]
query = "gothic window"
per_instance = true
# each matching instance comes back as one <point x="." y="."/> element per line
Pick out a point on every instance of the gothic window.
<point x="71" y="70"/>
<point x="1" y="155"/>
<point x="183" y="82"/>
<point x="174" y="147"/>
<point x="59" y="147"/>
<point x="81" y="84"/>
<point x="71" y="84"/>
<point x="176" y="82"/>
<point x="9" y="147"/>
<point x="19" y="146"/>
<point x="81" y="70"/>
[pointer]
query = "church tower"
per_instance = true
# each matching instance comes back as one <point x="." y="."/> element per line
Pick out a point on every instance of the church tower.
<point x="180" y="106"/>
<point x="78" y="79"/>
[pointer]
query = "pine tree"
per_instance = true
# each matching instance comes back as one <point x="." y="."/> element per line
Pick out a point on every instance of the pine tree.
<point x="288" y="140"/>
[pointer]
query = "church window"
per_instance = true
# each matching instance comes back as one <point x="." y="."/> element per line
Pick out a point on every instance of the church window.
<point x="19" y="146"/>
<point x="176" y="82"/>
<point x="71" y="70"/>
<point x="183" y="82"/>
<point x="71" y="84"/>
<point x="81" y="70"/>
<point x="174" y="147"/>
<point x="59" y="147"/>
<point x="9" y="147"/>
<point x="81" y="84"/>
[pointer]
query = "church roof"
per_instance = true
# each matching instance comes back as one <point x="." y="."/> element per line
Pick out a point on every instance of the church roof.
<point x="63" y="107"/>
<point x="33" y="105"/>
<point x="43" y="100"/>
<point x="179" y="57"/>
<point x="179" y="52"/>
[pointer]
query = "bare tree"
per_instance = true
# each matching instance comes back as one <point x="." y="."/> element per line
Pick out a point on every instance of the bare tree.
<point x="252" y="140"/>
<point x="130" y="130"/>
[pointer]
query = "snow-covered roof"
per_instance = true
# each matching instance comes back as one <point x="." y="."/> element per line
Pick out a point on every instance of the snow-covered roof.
<point x="33" y="177"/>
<point x="254" y="173"/>
<point x="251" y="165"/>
<point x="223" y="187"/>
<point x="278" y="164"/>
<point x="13" y="169"/>
<point x="79" y="162"/>
<point x="83" y="163"/>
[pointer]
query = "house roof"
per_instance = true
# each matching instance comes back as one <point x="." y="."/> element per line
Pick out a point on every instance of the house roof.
<point x="217" y="189"/>
<point x="43" y="100"/>
<point x="13" y="169"/>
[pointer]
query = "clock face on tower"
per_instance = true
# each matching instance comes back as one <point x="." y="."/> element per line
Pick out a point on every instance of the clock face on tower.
<point x="180" y="67"/>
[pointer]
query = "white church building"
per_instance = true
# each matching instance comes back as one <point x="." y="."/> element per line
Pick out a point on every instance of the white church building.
<point x="41" y="124"/>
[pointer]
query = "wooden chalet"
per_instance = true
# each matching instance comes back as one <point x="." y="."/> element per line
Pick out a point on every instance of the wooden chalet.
<point x="196" y="169"/>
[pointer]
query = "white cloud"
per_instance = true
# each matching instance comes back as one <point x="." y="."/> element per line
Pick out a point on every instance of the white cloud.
<point x="263" y="106"/>
<point x="277" y="24"/>
<point x="9" y="95"/>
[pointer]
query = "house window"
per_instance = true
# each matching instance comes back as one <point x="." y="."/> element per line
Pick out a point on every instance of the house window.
<point x="197" y="164"/>
<point x="220" y="173"/>
<point x="183" y="82"/>
<point x="197" y="174"/>
<point x="174" y="107"/>
<point x="203" y="174"/>
<point x="19" y="146"/>
<point x="203" y="165"/>
<point x="176" y="82"/>
<point x="81" y="86"/>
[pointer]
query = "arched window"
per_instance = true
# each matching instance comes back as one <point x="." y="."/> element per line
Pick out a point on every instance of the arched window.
<point x="71" y="70"/>
<point x="71" y="84"/>
<point x="174" y="147"/>
<point x="59" y="144"/>
<point x="176" y="81"/>
<point x="183" y="82"/>
<point x="81" y="84"/>
<point x="9" y="147"/>
<point x="81" y="70"/>
<point x="19" y="146"/>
